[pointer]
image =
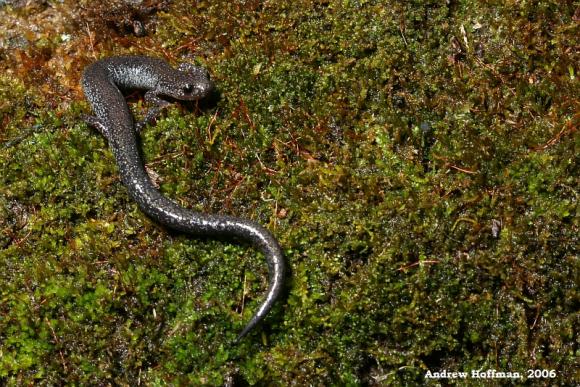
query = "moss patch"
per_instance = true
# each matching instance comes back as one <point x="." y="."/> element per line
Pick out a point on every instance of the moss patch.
<point x="417" y="161"/>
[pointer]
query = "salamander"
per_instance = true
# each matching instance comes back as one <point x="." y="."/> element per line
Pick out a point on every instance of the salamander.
<point x="103" y="83"/>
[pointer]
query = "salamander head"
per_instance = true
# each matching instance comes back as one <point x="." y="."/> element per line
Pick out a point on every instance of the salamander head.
<point x="188" y="83"/>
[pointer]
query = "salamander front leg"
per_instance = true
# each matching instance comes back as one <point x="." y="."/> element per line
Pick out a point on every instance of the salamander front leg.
<point x="157" y="104"/>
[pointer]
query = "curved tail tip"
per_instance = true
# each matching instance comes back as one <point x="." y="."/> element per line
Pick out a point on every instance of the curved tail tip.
<point x="243" y="333"/>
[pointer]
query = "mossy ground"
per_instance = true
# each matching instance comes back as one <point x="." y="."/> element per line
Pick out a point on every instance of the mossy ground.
<point x="418" y="162"/>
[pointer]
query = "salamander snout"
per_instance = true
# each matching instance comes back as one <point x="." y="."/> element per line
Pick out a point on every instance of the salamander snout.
<point x="190" y="83"/>
<point x="193" y="90"/>
<point x="198" y="89"/>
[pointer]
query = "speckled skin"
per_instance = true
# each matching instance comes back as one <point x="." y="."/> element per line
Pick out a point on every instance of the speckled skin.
<point x="102" y="83"/>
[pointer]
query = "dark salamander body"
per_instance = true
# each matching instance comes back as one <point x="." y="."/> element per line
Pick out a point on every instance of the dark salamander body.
<point x="102" y="83"/>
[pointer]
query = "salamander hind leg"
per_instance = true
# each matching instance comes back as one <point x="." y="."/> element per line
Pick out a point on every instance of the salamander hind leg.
<point x="96" y="123"/>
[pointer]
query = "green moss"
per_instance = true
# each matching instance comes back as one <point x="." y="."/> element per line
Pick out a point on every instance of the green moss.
<point x="417" y="162"/>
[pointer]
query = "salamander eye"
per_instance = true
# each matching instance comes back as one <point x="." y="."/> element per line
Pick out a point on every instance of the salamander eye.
<point x="188" y="88"/>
